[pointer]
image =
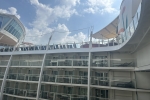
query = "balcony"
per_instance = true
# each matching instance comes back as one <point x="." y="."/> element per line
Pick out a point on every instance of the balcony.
<point x="99" y="98"/>
<point x="20" y="92"/>
<point x="113" y="62"/>
<point x="116" y="82"/>
<point x="123" y="83"/>
<point x="3" y="62"/>
<point x="1" y="75"/>
<point x="100" y="81"/>
<point x="26" y="63"/>
<point x="61" y="96"/>
<point x="25" y="77"/>
<point x="67" y="62"/>
<point x="65" y="79"/>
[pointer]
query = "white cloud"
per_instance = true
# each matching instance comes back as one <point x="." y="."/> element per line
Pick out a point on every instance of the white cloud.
<point x="46" y="16"/>
<point x="61" y="34"/>
<point x="100" y="6"/>
<point x="10" y="10"/>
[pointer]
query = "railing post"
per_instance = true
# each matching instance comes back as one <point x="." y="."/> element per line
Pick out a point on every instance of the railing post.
<point x="54" y="96"/>
<point x="72" y="62"/>
<point x="70" y="97"/>
<point x="71" y="79"/>
<point x="109" y="59"/>
<point x="55" y="78"/>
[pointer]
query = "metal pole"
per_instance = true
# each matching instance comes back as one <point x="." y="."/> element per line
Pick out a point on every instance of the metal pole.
<point x="89" y="67"/>
<point x="42" y="68"/>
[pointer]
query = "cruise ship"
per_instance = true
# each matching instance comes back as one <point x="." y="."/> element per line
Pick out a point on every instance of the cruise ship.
<point x="117" y="67"/>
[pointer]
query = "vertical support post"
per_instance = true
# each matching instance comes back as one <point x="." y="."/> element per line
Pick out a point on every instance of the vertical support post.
<point x="89" y="67"/>
<point x="113" y="42"/>
<point x="42" y="68"/>
<point x="109" y="59"/>
<point x="89" y="78"/>
<point x="108" y="42"/>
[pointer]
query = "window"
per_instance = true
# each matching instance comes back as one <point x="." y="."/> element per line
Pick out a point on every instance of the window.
<point x="15" y="29"/>
<point x="1" y="18"/>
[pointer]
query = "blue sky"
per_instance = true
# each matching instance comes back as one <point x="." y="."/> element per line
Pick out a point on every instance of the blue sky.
<point x="42" y="17"/>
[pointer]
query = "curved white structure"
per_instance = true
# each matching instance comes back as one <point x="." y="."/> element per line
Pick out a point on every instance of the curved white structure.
<point x="115" y="68"/>
<point x="11" y="30"/>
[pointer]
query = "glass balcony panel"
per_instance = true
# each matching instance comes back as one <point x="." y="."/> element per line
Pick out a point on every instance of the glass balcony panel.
<point x="26" y="63"/>
<point x="21" y="77"/>
<point x="80" y="62"/>
<point x="122" y="62"/>
<point x="78" y="97"/>
<point x="135" y="20"/>
<point x="47" y="95"/>
<point x="64" y="62"/>
<point x="99" y="98"/>
<point x="79" y="79"/>
<point x="4" y="62"/>
<point x="35" y="63"/>
<point x="128" y="33"/>
<point x="62" y="97"/>
<point x="12" y="76"/>
<point x="100" y="62"/>
<point x="1" y="75"/>
<point x="15" y="63"/>
<point x="49" y="78"/>
<point x="101" y="81"/>
<point x="139" y="11"/>
<point x="64" y="79"/>
<point x="131" y="28"/>
<point x="123" y="83"/>
<point x="31" y="93"/>
<point x="27" y="77"/>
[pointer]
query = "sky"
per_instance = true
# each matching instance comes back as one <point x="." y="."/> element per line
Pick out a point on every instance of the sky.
<point x="68" y="20"/>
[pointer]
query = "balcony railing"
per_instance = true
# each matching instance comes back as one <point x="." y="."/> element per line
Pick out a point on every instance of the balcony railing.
<point x="20" y="92"/>
<point x="100" y="81"/>
<point x="1" y="75"/>
<point x="3" y="62"/>
<point x="113" y="62"/>
<point x="26" y="63"/>
<point x="65" y="79"/>
<point x="61" y="96"/>
<point x="25" y="77"/>
<point x="123" y="83"/>
<point x="66" y="62"/>
<point x="115" y="82"/>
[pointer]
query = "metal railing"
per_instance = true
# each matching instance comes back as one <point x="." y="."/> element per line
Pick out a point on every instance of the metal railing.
<point x="25" y="77"/>
<point x="20" y="92"/>
<point x="1" y="75"/>
<point x="113" y="62"/>
<point x="66" y="62"/>
<point x="65" y="79"/>
<point x="26" y="63"/>
<point x="115" y="82"/>
<point x="61" y="96"/>
<point x="3" y="62"/>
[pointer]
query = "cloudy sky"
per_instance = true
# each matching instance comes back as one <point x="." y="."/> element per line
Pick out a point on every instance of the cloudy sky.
<point x="69" y="20"/>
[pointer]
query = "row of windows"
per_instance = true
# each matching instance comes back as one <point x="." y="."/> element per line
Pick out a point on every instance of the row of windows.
<point x="15" y="29"/>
